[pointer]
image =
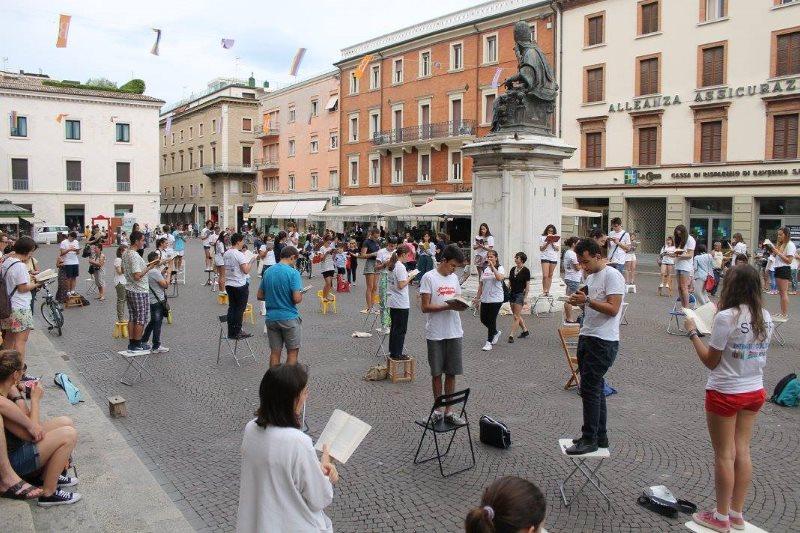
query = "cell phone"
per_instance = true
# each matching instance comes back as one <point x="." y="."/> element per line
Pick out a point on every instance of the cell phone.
<point x="584" y="290"/>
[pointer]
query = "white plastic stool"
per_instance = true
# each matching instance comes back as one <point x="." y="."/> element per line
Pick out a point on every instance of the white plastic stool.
<point x="589" y="473"/>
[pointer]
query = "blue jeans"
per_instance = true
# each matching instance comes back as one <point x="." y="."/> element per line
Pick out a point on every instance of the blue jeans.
<point x="595" y="357"/>
<point x="619" y="267"/>
<point x="154" y="326"/>
<point x="237" y="303"/>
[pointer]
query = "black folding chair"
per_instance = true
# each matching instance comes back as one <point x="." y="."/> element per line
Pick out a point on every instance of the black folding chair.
<point x="441" y="425"/>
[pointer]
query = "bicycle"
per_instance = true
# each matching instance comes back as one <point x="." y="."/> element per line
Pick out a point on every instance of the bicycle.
<point x="304" y="265"/>
<point x="52" y="311"/>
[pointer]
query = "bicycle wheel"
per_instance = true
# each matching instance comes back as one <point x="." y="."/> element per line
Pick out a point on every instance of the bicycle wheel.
<point x="48" y="314"/>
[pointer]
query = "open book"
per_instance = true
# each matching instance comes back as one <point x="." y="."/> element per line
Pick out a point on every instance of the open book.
<point x="703" y="317"/>
<point x="768" y="244"/>
<point x="343" y="433"/>
<point x="459" y="303"/>
<point x="552" y="238"/>
<point x="413" y="273"/>
<point x="306" y="289"/>
<point x="45" y="275"/>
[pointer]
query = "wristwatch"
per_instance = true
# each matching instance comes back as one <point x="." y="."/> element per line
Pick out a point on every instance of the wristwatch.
<point x="692" y="334"/>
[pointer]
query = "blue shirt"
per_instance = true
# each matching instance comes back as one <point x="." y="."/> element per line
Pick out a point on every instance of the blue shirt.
<point x="340" y="260"/>
<point x="180" y="244"/>
<point x="278" y="284"/>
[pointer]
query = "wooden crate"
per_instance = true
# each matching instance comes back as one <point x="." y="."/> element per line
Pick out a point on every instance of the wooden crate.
<point x="401" y="370"/>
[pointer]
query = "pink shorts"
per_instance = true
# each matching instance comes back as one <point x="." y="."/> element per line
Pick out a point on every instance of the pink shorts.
<point x="723" y="404"/>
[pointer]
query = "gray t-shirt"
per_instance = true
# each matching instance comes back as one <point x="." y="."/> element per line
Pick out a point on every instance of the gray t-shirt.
<point x="133" y="263"/>
<point x="153" y="277"/>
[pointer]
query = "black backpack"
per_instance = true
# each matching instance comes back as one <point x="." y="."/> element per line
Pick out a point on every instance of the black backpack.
<point x="5" y="298"/>
<point x="782" y="385"/>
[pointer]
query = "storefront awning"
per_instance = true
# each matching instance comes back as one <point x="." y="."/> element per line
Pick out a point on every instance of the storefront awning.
<point x="284" y="209"/>
<point x="573" y="212"/>
<point x="9" y="220"/>
<point x="188" y="208"/>
<point x="306" y="207"/>
<point x="164" y="208"/>
<point x="170" y="208"/>
<point x="262" y="210"/>
<point x="332" y="102"/>
<point x="354" y="213"/>
<point x="178" y="208"/>
<point x="435" y="209"/>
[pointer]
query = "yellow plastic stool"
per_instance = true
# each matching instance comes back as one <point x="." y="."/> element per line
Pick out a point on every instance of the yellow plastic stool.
<point x="325" y="304"/>
<point x="248" y="313"/>
<point x="120" y="330"/>
<point x="222" y="298"/>
<point x="169" y="316"/>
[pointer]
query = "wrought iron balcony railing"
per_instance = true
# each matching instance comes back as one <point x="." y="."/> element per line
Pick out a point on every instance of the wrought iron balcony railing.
<point x="425" y="132"/>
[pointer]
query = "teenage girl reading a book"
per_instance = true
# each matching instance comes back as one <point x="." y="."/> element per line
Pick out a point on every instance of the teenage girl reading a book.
<point x="549" y="253"/>
<point x="483" y="243"/>
<point x="735" y="356"/>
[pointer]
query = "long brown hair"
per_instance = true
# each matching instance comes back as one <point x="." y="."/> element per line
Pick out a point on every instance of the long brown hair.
<point x="781" y="244"/>
<point x="508" y="505"/>
<point x="743" y="287"/>
<point x="400" y="250"/>
<point x="681" y="236"/>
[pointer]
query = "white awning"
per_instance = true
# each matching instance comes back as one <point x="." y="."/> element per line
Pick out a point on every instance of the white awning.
<point x="306" y="207"/>
<point x="9" y="220"/>
<point x="573" y="212"/>
<point x="178" y="208"/>
<point x="284" y="209"/>
<point x="354" y="213"/>
<point x="170" y="208"/>
<point x="332" y="102"/>
<point x="435" y="209"/>
<point x="188" y="208"/>
<point x="262" y="210"/>
<point x="164" y="208"/>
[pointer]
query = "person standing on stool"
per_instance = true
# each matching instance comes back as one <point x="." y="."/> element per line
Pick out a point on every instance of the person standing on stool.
<point x="136" y="292"/>
<point x="618" y="242"/>
<point x="282" y="290"/>
<point x="158" y="280"/>
<point x="598" y="342"/>
<point x="237" y="270"/>
<point x="399" y="303"/>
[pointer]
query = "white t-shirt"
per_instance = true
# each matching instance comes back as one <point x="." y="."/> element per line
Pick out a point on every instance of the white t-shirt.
<point x="269" y="258"/>
<point x="206" y="235"/>
<point x="383" y="255"/>
<point x="741" y="367"/>
<point x="118" y="278"/>
<point x="550" y="253"/>
<point x="666" y="259"/>
<point x="70" y="258"/>
<point x="15" y="275"/>
<point x="790" y="250"/>
<point x="739" y="249"/>
<point x="616" y="254"/>
<point x="686" y="264"/>
<point x="492" y="292"/>
<point x="571" y="271"/>
<point x="442" y="324"/>
<point x="234" y="276"/>
<point x="398" y="298"/>
<point x="327" y="258"/>
<point x="170" y="240"/>
<point x="602" y="284"/>
<point x="486" y="241"/>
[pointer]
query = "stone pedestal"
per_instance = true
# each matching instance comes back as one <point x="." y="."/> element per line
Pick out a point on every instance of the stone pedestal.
<point x="516" y="190"/>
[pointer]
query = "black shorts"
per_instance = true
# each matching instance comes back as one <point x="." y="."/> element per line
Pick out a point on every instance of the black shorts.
<point x="783" y="272"/>
<point x="71" y="271"/>
<point x="341" y="271"/>
<point x="549" y="261"/>
<point x="328" y="273"/>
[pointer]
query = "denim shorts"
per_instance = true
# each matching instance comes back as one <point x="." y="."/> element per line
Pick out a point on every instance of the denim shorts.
<point x="25" y="459"/>
<point x="517" y="298"/>
<point x="572" y="286"/>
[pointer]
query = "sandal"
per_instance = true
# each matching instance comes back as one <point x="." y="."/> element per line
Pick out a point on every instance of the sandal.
<point x="22" y="491"/>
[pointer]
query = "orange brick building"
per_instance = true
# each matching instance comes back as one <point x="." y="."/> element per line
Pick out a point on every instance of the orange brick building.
<point x="426" y="91"/>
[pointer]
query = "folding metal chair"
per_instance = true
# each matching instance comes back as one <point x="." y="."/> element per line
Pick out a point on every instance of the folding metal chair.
<point x="173" y="280"/>
<point x="623" y="321"/>
<point x="137" y="364"/>
<point x="776" y="332"/>
<point x="213" y="281"/>
<point x="569" y="342"/>
<point x="550" y="301"/>
<point x="90" y="287"/>
<point x="233" y="344"/>
<point x="674" y="325"/>
<point x="441" y="426"/>
<point x="589" y="473"/>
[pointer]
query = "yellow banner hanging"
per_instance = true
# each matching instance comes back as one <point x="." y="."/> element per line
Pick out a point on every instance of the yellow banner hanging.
<point x="267" y="118"/>
<point x="362" y="65"/>
<point x="63" y="30"/>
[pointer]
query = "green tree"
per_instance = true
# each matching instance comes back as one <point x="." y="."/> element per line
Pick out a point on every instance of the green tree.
<point x="102" y="82"/>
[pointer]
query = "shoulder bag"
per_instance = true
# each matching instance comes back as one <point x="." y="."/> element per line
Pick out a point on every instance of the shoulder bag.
<point x="164" y="303"/>
<point x="494" y="433"/>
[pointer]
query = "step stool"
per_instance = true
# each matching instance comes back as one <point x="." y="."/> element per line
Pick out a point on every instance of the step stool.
<point x="324" y="304"/>
<point x="74" y="300"/>
<point x="589" y="473"/>
<point x="401" y="369"/>
<point x="630" y="288"/>
<point x="117" y="406"/>
<point x="90" y="287"/>
<point x="169" y="317"/>
<point x="248" y="314"/>
<point x="222" y="298"/>
<point x="120" y="330"/>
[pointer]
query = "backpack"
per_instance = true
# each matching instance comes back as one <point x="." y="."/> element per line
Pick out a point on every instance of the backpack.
<point x="787" y="391"/>
<point x="5" y="298"/>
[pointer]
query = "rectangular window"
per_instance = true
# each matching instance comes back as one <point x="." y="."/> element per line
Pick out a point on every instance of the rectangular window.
<point x="181" y="135"/>
<point x="181" y="191"/>
<point x="123" y="133"/>
<point x="648" y="76"/>
<point x="490" y="49"/>
<point x="594" y="150"/>
<point x="19" y="127"/>
<point x="191" y="159"/>
<point x="375" y="76"/>
<point x="397" y="71"/>
<point x="120" y="210"/>
<point x="73" y="175"/>
<point x="181" y="159"/>
<point x="334" y="140"/>
<point x="374" y="124"/>
<point x="314" y="108"/>
<point x="165" y="140"/>
<point x="648" y="146"/>
<point x="456" y="56"/>
<point x="314" y="146"/>
<point x="788" y="54"/>
<point x="711" y="142"/>
<point x="594" y="84"/>
<point x="648" y="15"/>
<point x="354" y="172"/>
<point x="314" y="181"/>
<point x="333" y="179"/>
<point x="191" y="132"/>
<point x="124" y="177"/>
<point x="455" y="166"/>
<point x="374" y="170"/>
<point x="292" y="114"/>
<point x="292" y="149"/>
<point x="213" y="130"/>
<point x="247" y="124"/>
<point x="397" y="169"/>
<point x="713" y="66"/>
<point x="200" y="130"/>
<point x="164" y="163"/>
<point x="213" y="155"/>
<point x="291" y="182"/>
<point x="200" y="157"/>
<point x="73" y="130"/>
<point x="595" y="30"/>
<point x="172" y="161"/>
<point x="716" y="9"/>
<point x="19" y="174"/>
<point x="425" y="121"/>
<point x="424" y="64"/>
<point x="353" y="129"/>
<point x="247" y="156"/>
<point x="784" y="139"/>
<point x="353" y="83"/>
<point x="425" y="168"/>
<point x="488" y="107"/>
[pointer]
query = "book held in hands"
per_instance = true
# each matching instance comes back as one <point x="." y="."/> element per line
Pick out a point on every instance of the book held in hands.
<point x="703" y="317"/>
<point x="343" y="433"/>
<point x="458" y="303"/>
<point x="45" y="275"/>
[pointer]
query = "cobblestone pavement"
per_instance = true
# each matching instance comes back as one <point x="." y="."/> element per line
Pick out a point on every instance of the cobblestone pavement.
<point x="187" y="424"/>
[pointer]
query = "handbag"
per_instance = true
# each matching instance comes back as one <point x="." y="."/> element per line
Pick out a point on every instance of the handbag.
<point x="494" y="433"/>
<point x="87" y="251"/>
<point x="710" y="283"/>
<point x="506" y="292"/>
<point x="164" y="303"/>
<point x="660" y="500"/>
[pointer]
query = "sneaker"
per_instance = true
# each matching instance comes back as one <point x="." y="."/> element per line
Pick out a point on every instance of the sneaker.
<point x="708" y="519"/>
<point x="511" y="339"/>
<point x="66" y="481"/>
<point x="142" y="347"/>
<point x="454" y="419"/>
<point x="160" y="349"/>
<point x="136" y="351"/>
<point x="602" y="442"/>
<point x="524" y="334"/>
<point x="364" y="311"/>
<point x="242" y="335"/>
<point x="59" y="497"/>
<point x="791" y="293"/>
<point x="737" y="523"/>
<point x="582" y="447"/>
<point x="487" y="347"/>
<point x="437" y="417"/>
<point x="496" y="337"/>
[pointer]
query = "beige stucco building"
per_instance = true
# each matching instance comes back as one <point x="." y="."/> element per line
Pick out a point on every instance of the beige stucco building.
<point x="685" y="113"/>
<point x="297" y="151"/>
<point x="207" y="155"/>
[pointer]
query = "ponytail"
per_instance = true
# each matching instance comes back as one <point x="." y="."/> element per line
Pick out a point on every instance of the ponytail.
<point x="480" y="520"/>
<point x="508" y="505"/>
<point x="400" y="250"/>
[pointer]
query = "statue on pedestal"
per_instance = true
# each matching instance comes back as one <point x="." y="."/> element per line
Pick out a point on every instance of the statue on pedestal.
<point x="530" y="96"/>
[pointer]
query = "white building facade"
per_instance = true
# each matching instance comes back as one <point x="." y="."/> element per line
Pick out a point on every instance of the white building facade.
<point x="683" y="112"/>
<point x="69" y="154"/>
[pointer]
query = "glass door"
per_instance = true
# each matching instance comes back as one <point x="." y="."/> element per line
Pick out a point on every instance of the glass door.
<point x="720" y="231"/>
<point x="699" y="229"/>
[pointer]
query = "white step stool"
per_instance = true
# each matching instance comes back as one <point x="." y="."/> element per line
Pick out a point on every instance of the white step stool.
<point x="591" y="474"/>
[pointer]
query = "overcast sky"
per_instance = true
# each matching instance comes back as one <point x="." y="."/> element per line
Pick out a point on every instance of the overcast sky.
<point x="112" y="39"/>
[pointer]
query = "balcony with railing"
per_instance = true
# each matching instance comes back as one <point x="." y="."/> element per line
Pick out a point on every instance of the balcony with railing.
<point x="19" y="184"/>
<point x="260" y="132"/>
<point x="123" y="186"/>
<point x="425" y="134"/>
<point x="73" y="185"/>
<point x="214" y="170"/>
<point x="266" y="164"/>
